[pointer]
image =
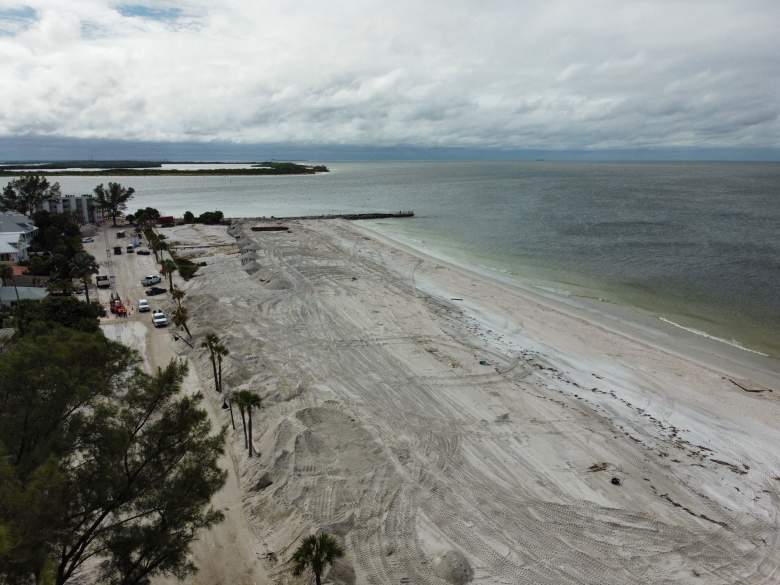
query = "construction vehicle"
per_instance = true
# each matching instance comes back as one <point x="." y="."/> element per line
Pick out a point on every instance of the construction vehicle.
<point x="117" y="306"/>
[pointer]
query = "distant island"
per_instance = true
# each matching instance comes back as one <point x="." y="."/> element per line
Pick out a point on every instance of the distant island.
<point x="143" y="168"/>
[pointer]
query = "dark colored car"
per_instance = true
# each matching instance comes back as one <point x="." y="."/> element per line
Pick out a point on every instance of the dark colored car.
<point x="118" y="250"/>
<point x="143" y="252"/>
<point x="155" y="290"/>
<point x="130" y="250"/>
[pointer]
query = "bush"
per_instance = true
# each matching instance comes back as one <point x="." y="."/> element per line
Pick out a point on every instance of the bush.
<point x="211" y="217"/>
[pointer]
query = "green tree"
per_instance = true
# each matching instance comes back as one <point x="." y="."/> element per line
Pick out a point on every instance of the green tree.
<point x="188" y="217"/>
<point x="168" y="267"/>
<point x="129" y="462"/>
<point x="114" y="198"/>
<point x="247" y="401"/>
<point x="83" y="266"/>
<point x="210" y="343"/>
<point x="53" y="311"/>
<point x="315" y="553"/>
<point x="145" y="218"/>
<point x="26" y="193"/>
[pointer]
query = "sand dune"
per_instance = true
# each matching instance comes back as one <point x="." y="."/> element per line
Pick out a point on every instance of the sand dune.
<point x="497" y="439"/>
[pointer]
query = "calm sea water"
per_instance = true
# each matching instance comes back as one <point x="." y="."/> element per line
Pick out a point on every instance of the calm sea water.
<point x="698" y="244"/>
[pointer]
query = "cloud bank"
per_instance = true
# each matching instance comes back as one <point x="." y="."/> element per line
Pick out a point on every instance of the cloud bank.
<point x="602" y="74"/>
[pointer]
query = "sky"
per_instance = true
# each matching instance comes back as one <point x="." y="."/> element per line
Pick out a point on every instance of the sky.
<point x="366" y="76"/>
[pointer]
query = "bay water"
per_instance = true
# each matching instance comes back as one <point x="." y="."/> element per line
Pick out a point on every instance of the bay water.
<point x="695" y="244"/>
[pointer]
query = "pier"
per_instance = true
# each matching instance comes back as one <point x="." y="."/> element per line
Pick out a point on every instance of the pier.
<point x="349" y="216"/>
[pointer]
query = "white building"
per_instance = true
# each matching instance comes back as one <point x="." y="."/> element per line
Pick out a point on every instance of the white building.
<point x="16" y="234"/>
<point x="83" y="207"/>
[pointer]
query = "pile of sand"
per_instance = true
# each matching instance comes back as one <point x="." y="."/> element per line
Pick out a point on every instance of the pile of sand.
<point x="453" y="567"/>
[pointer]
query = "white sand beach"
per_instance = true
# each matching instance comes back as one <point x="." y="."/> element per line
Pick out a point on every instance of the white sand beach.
<point x="452" y="429"/>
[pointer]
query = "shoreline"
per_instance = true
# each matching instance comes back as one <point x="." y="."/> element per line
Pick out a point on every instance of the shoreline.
<point x="602" y="309"/>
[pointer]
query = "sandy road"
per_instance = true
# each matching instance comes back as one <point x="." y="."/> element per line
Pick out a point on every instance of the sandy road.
<point x="431" y="438"/>
<point x="226" y="554"/>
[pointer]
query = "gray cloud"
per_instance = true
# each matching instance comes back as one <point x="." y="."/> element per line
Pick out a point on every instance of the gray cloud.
<point x="605" y="74"/>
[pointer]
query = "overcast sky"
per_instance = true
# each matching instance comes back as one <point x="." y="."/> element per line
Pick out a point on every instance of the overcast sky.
<point x="595" y="74"/>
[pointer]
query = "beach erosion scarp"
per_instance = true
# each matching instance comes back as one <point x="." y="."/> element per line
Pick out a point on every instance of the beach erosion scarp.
<point x="446" y="428"/>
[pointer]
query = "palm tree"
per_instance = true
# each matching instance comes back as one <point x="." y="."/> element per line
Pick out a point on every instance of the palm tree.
<point x="180" y="317"/>
<point x="229" y="402"/>
<point x="316" y="552"/>
<point x="210" y="343"/>
<point x="240" y="398"/>
<point x="220" y="351"/>
<point x="83" y="266"/>
<point x="247" y="401"/>
<point x="114" y="198"/>
<point x="178" y="296"/>
<point x="168" y="268"/>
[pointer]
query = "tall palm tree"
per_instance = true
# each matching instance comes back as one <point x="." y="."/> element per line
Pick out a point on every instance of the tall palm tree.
<point x="180" y="317"/>
<point x="316" y="552"/>
<point x="168" y="268"/>
<point x="178" y="296"/>
<point x="114" y="198"/>
<point x="83" y="266"/>
<point x="247" y="401"/>
<point x="220" y="351"/>
<point x="240" y="399"/>
<point x="210" y="342"/>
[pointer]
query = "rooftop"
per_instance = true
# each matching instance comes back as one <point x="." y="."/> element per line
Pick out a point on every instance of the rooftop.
<point x="12" y="222"/>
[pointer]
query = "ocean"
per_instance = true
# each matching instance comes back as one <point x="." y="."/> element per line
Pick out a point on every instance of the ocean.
<point x="695" y="244"/>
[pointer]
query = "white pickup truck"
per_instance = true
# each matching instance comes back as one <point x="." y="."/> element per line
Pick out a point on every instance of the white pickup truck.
<point x="150" y="279"/>
<point x="159" y="319"/>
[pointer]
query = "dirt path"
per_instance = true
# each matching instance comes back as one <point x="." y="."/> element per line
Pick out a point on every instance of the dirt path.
<point x="228" y="553"/>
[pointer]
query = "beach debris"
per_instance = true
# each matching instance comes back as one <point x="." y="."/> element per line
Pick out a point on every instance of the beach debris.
<point x="732" y="466"/>
<point x="483" y="363"/>
<point x="598" y="466"/>
<point x="748" y="386"/>
<point x="455" y="299"/>
<point x="269" y="228"/>
<point x="615" y="481"/>
<point x="501" y="418"/>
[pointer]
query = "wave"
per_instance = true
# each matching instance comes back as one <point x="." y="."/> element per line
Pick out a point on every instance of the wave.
<point x="732" y="343"/>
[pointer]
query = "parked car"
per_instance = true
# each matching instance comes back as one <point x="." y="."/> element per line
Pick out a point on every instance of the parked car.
<point x="143" y="306"/>
<point x="155" y="290"/>
<point x="130" y="250"/>
<point x="117" y="250"/>
<point x="120" y="234"/>
<point x="151" y="279"/>
<point x="102" y="281"/>
<point x="87" y="240"/>
<point x="159" y="319"/>
<point x="143" y="252"/>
